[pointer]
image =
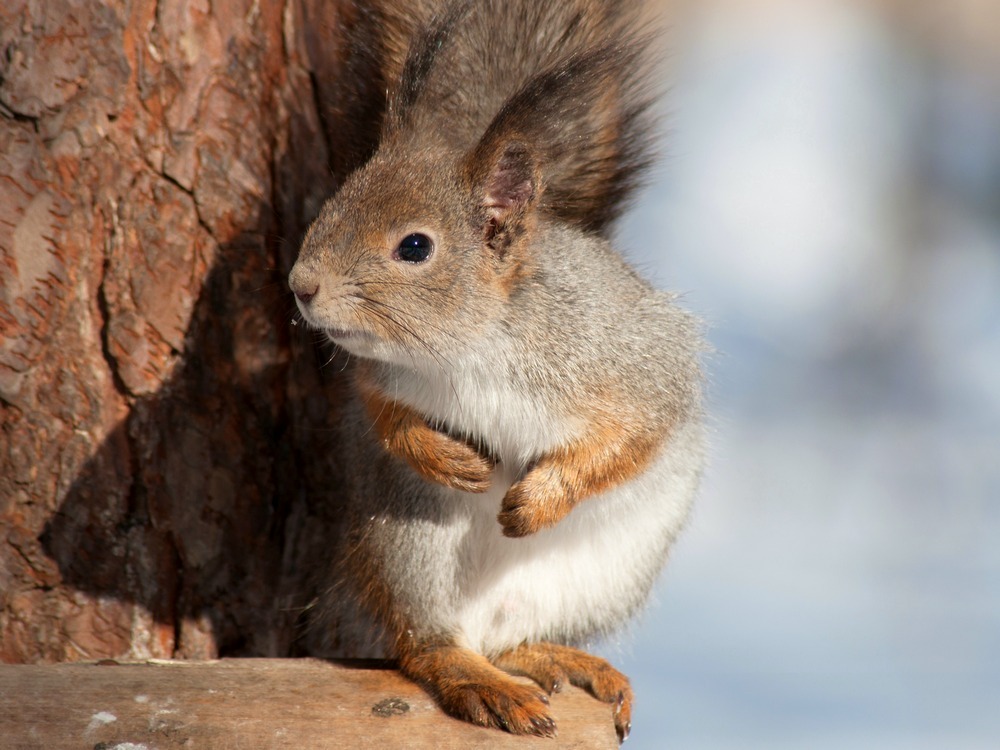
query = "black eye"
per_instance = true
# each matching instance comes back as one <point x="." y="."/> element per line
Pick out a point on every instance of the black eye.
<point x="415" y="248"/>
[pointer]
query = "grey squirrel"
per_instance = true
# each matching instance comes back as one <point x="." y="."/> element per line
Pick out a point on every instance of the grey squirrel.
<point x="525" y="437"/>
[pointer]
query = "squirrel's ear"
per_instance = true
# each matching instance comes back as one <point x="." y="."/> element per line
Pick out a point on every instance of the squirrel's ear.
<point x="510" y="185"/>
<point x="506" y="183"/>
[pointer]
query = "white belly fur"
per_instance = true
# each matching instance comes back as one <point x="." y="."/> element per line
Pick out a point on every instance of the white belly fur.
<point x="588" y="573"/>
<point x="477" y="400"/>
<point x="594" y="567"/>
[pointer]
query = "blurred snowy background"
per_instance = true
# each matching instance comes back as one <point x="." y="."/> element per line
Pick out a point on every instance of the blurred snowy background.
<point x="830" y="204"/>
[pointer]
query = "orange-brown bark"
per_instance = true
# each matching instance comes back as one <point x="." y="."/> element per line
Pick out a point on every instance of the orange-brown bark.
<point x="167" y="480"/>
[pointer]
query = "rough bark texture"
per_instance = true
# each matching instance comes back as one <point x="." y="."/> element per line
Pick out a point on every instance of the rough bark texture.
<point x="167" y="482"/>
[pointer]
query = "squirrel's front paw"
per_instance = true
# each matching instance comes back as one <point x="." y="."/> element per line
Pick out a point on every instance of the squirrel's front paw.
<point x="448" y="461"/>
<point x="535" y="502"/>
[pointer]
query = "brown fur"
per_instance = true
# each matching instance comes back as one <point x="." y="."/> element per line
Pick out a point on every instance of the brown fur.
<point x="464" y="684"/>
<point x="468" y="687"/>
<point x="580" y="90"/>
<point x="609" y="454"/>
<point x="511" y="134"/>
<point x="552" y="665"/>
<point x="433" y="454"/>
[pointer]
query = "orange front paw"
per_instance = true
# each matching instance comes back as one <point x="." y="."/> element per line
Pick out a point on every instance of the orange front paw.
<point x="448" y="461"/>
<point x="537" y="501"/>
<point x="433" y="454"/>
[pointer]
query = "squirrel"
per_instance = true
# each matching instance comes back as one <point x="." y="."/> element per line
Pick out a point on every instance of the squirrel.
<point x="525" y="431"/>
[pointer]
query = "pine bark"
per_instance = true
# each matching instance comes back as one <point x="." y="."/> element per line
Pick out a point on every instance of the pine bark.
<point x="168" y="474"/>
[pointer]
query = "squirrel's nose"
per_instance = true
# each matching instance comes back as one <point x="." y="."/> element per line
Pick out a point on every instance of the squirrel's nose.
<point x="302" y="287"/>
<point x="305" y="295"/>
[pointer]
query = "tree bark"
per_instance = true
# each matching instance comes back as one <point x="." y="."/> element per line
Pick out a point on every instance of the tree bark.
<point x="168" y="482"/>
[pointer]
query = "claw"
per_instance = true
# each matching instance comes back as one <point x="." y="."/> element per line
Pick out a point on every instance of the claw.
<point x="544" y="727"/>
<point x="623" y="732"/>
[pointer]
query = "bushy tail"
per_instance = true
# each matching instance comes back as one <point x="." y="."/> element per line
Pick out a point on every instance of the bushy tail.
<point x="570" y="80"/>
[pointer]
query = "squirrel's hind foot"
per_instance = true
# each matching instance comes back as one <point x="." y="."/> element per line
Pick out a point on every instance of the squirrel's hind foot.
<point x="468" y="687"/>
<point x="552" y="665"/>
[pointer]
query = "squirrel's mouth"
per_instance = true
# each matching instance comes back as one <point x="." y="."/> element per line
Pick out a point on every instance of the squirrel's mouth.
<point x="343" y="334"/>
<point x="339" y="334"/>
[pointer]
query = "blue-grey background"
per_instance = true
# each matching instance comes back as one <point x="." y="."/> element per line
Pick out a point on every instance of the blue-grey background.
<point x="830" y="205"/>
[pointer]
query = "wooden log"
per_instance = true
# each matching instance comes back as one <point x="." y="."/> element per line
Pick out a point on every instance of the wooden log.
<point x="254" y="703"/>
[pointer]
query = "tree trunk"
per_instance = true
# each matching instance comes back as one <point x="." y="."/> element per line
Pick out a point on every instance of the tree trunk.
<point x="167" y="476"/>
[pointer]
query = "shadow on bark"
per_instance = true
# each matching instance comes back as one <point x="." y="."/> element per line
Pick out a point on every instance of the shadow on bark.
<point x="205" y="523"/>
<point x="228" y="509"/>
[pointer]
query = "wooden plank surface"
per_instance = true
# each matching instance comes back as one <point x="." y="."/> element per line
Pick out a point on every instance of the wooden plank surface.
<point x="254" y="703"/>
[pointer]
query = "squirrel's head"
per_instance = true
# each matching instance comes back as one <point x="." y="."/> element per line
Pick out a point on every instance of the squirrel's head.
<point x="420" y="249"/>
